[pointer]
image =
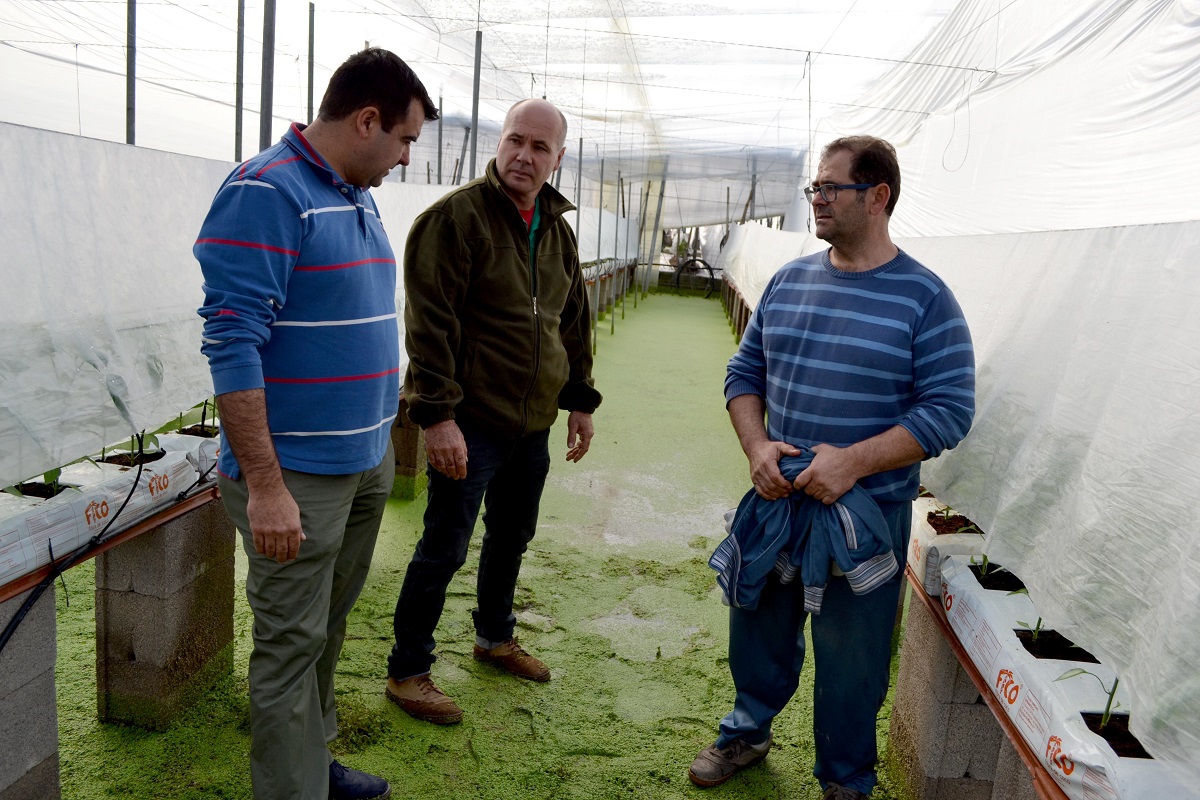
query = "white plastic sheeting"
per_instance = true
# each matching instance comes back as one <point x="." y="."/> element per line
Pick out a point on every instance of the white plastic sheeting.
<point x="1079" y="114"/>
<point x="99" y="336"/>
<point x="1083" y="461"/>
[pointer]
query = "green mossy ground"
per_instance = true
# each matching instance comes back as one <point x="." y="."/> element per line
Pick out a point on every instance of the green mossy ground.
<point x="615" y="595"/>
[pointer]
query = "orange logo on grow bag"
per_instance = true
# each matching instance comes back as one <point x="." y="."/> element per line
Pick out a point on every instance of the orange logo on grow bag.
<point x="1057" y="757"/>
<point x="159" y="483"/>
<point x="1007" y="687"/>
<point x="947" y="598"/>
<point x="916" y="548"/>
<point x="95" y="511"/>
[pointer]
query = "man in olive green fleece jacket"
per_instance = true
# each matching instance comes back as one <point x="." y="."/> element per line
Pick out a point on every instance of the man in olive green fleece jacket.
<point x="498" y="339"/>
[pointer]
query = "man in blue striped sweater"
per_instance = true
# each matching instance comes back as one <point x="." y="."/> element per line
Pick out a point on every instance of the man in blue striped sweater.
<point x="302" y="341"/>
<point x="862" y="354"/>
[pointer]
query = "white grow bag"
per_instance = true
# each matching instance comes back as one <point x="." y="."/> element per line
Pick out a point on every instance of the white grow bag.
<point x="1046" y="711"/>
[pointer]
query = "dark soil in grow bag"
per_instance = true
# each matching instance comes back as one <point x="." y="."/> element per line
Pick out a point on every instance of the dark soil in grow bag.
<point x="1117" y="734"/>
<point x="997" y="577"/>
<point x="955" y="523"/>
<point x="1051" y="644"/>
<point x="39" y="489"/>
<point x="132" y="459"/>
<point x="207" y="431"/>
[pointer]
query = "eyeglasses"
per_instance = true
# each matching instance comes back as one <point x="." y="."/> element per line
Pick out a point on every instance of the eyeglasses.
<point x="829" y="191"/>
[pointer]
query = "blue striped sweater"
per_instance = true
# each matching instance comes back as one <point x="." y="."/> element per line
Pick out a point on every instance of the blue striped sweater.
<point x="842" y="356"/>
<point x="300" y="300"/>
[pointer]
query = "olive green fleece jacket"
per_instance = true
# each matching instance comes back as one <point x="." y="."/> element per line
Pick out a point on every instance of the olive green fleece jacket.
<point x="490" y="342"/>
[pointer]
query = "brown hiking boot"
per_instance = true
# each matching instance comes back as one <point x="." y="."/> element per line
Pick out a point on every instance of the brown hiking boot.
<point x="715" y="766"/>
<point x="510" y="657"/>
<point x="422" y="699"/>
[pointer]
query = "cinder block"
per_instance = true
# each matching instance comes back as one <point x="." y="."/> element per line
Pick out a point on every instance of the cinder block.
<point x="33" y="646"/>
<point x="961" y="789"/>
<point x="39" y="783"/>
<point x="408" y="442"/>
<point x="29" y="740"/>
<point x="945" y="749"/>
<point x="927" y="656"/>
<point x="155" y="655"/>
<point x="972" y="743"/>
<point x="1012" y="780"/>
<point x="162" y="561"/>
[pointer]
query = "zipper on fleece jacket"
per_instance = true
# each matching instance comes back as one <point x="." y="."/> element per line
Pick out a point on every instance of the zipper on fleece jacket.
<point x="534" y="224"/>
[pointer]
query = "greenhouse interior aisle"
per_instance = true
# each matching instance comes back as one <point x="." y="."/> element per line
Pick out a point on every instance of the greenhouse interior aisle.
<point x="615" y="595"/>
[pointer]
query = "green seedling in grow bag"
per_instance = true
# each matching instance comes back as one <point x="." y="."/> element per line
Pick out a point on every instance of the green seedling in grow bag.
<point x="51" y="478"/>
<point x="1037" y="627"/>
<point x="1112" y="691"/>
<point x="984" y="565"/>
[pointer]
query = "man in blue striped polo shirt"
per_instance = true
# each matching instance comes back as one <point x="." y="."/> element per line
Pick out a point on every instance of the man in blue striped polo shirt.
<point x="302" y="341"/>
<point x="863" y="355"/>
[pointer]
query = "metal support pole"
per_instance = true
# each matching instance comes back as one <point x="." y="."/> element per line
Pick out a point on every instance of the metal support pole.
<point x="475" y="100"/>
<point x="753" y="182"/>
<point x="440" y="116"/>
<point x="579" y="188"/>
<point x="612" y="326"/>
<point x="130" y="70"/>
<point x="599" y="254"/>
<point x="266" y="104"/>
<point x="312" y="38"/>
<point x="462" y="159"/>
<point x="238" y="98"/>
<point x="662" y="188"/>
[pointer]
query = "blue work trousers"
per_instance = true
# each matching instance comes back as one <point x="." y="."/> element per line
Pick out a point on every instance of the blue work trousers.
<point x="852" y="650"/>
<point x="507" y="477"/>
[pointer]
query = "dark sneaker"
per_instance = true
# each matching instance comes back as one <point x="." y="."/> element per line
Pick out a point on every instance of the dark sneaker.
<point x="510" y="657"/>
<point x="715" y="766"/>
<point x="835" y="792"/>
<point x="422" y="699"/>
<point x="350" y="784"/>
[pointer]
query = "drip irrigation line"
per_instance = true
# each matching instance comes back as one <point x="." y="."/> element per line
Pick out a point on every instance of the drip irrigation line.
<point x="57" y="569"/>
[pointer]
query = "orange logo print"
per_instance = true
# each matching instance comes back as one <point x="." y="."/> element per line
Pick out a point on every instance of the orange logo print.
<point x="1057" y="757"/>
<point x="159" y="483"/>
<point x="95" y="511"/>
<point x="947" y="598"/>
<point x="916" y="549"/>
<point x="1007" y="687"/>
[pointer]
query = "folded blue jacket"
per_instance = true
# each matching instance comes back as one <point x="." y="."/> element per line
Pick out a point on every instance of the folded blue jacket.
<point x="798" y="534"/>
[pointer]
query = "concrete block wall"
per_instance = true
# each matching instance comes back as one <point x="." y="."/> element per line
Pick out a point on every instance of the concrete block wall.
<point x="408" y="441"/>
<point x="943" y="736"/>
<point x="28" y="711"/>
<point x="164" y="618"/>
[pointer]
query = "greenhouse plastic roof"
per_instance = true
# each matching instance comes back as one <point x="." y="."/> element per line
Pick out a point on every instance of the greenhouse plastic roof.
<point x="713" y="94"/>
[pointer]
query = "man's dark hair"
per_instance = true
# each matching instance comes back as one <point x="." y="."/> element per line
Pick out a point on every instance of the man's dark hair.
<point x="872" y="160"/>
<point x="379" y="78"/>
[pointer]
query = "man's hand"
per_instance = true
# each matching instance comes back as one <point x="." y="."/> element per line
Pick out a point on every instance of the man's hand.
<point x="832" y="473"/>
<point x="579" y="424"/>
<point x="764" y="468"/>
<point x="446" y="449"/>
<point x="274" y="523"/>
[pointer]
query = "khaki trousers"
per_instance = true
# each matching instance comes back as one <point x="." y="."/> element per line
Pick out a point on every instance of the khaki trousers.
<point x="300" y="611"/>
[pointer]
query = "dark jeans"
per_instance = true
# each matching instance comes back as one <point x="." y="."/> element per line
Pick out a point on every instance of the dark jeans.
<point x="507" y="476"/>
<point x="852" y="647"/>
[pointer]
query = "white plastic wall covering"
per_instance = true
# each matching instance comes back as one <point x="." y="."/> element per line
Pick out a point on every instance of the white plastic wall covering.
<point x="1046" y="710"/>
<point x="99" y="336"/>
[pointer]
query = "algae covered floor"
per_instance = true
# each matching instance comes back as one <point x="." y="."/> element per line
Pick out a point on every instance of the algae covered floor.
<point x="615" y="596"/>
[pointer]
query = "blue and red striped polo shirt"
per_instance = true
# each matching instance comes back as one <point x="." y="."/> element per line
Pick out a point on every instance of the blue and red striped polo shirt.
<point x="300" y="300"/>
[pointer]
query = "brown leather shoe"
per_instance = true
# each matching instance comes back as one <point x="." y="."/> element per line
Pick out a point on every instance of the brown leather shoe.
<point x="510" y="657"/>
<point x="422" y="699"/>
